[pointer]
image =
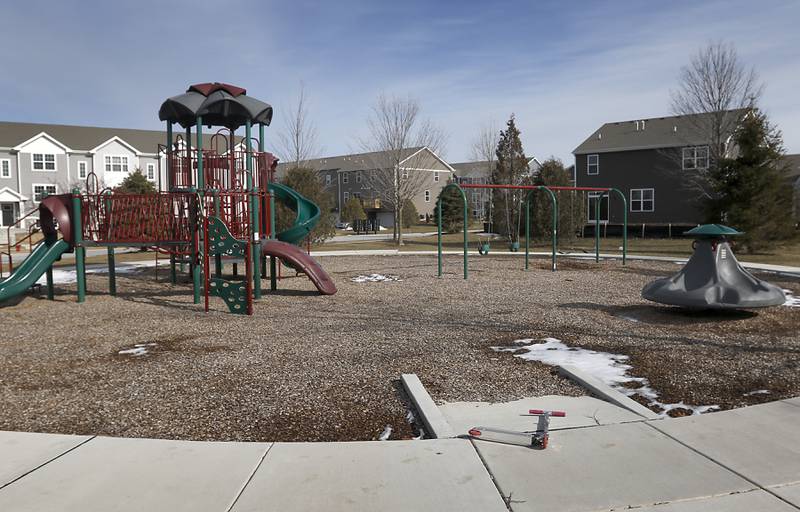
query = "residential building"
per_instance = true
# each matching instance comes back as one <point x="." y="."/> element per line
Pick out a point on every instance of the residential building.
<point x="37" y="159"/>
<point x="480" y="173"/>
<point x="361" y="176"/>
<point x="652" y="162"/>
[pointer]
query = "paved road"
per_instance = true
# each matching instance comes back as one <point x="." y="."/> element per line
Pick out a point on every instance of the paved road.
<point x="599" y="458"/>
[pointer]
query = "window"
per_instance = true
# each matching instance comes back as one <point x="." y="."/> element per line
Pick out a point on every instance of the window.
<point x="371" y="175"/>
<point x="436" y="176"/>
<point x="327" y="180"/>
<point x="592" y="164"/>
<point x="151" y="172"/>
<point x="357" y="195"/>
<point x="40" y="191"/>
<point x="44" y="162"/>
<point x="116" y="163"/>
<point x="358" y="177"/>
<point x="5" y="168"/>
<point x="346" y="196"/>
<point x="695" y="157"/>
<point x="345" y="178"/>
<point x="592" y="199"/>
<point x="642" y="199"/>
<point x="427" y="196"/>
<point x="405" y="173"/>
<point x="82" y="170"/>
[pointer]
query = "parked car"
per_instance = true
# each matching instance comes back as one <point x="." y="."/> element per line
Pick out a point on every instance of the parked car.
<point x="342" y="225"/>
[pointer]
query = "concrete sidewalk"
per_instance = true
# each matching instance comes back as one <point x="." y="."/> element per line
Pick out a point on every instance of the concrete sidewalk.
<point x="599" y="458"/>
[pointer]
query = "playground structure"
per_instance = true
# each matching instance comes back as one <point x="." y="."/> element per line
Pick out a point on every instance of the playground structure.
<point x="217" y="205"/>
<point x="713" y="278"/>
<point x="527" y="207"/>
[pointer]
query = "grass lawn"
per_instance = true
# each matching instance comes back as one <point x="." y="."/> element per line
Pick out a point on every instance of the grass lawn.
<point x="786" y="253"/>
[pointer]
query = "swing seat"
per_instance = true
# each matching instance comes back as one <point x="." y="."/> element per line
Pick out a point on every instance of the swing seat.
<point x="483" y="248"/>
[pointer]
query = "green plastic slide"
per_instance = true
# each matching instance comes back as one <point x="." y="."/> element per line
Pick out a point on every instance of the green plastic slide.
<point x="34" y="266"/>
<point x="307" y="213"/>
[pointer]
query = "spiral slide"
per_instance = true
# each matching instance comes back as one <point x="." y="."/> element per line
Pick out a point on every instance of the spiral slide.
<point x="284" y="247"/>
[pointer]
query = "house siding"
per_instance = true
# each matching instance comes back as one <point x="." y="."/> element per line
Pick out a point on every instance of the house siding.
<point x="659" y="169"/>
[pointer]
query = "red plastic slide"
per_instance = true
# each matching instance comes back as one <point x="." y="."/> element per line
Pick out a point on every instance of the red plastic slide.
<point x="301" y="260"/>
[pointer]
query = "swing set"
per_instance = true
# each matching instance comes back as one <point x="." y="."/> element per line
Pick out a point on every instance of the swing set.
<point x="550" y="190"/>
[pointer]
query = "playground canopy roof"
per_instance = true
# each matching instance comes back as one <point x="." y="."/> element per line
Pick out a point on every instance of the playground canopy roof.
<point x="219" y="105"/>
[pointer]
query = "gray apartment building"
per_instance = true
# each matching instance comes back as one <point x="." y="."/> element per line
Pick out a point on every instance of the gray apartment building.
<point x="480" y="173"/>
<point x="47" y="158"/>
<point x="651" y="161"/>
<point x="360" y="176"/>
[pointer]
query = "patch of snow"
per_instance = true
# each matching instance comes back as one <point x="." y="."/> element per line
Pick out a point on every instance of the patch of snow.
<point x="387" y="431"/>
<point x="791" y="300"/>
<point x="611" y="369"/>
<point x="758" y="392"/>
<point x="381" y="228"/>
<point x="140" y="349"/>
<point x="629" y="318"/>
<point x="375" y="278"/>
<point x="61" y="276"/>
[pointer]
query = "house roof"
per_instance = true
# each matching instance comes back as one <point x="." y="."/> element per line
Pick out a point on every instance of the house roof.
<point x="353" y="162"/>
<point x="658" y="132"/>
<point x="793" y="163"/>
<point x="86" y="138"/>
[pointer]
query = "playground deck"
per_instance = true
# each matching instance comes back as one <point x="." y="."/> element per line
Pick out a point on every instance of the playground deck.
<point x="307" y="367"/>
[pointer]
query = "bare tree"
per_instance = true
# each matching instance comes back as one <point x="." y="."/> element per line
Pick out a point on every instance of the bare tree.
<point x="719" y="86"/>
<point x="298" y="141"/>
<point x="484" y="146"/>
<point x="397" y="138"/>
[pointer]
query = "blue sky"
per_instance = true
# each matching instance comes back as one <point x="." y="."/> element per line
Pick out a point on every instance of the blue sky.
<point x="563" y="68"/>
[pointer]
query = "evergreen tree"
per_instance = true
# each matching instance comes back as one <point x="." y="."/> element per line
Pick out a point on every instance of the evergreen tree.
<point x="452" y="210"/>
<point x="352" y="211"/>
<point x="136" y="183"/>
<point x="571" y="204"/>
<point x="307" y="182"/>
<point x="410" y="214"/>
<point x="751" y="192"/>
<point x="511" y="169"/>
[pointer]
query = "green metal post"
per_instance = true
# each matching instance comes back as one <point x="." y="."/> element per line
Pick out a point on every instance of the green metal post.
<point x="439" y="226"/>
<point x="173" y="276"/>
<point x="624" y="225"/>
<point x="439" y="232"/>
<point x="262" y="190"/>
<point x="254" y="235"/>
<point x="527" y="227"/>
<point x="554" y="229"/>
<point x="273" y="278"/>
<point x="598" y="200"/>
<point x="50" y="290"/>
<point x="80" y="250"/>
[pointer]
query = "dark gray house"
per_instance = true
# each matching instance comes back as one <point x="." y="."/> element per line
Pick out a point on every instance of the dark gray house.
<point x="654" y="162"/>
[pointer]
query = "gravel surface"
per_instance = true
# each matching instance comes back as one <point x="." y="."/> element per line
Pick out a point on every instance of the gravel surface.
<point x="313" y="368"/>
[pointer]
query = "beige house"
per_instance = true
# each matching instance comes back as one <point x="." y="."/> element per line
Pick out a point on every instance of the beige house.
<point x="364" y="176"/>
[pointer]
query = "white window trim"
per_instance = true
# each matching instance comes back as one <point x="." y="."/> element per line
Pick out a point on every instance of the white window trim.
<point x="328" y="180"/>
<point x="3" y="174"/>
<point x="345" y="178"/>
<point x="590" y="211"/>
<point x="436" y="176"/>
<point x="127" y="163"/>
<point x="346" y="196"/>
<point x="595" y="165"/>
<point x="642" y="200"/>
<point x="693" y="158"/>
<point x="33" y="190"/>
<point x="427" y="196"/>
<point x="55" y="162"/>
<point x="147" y="171"/>
<point x="85" y="165"/>
<point x="358" y="176"/>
